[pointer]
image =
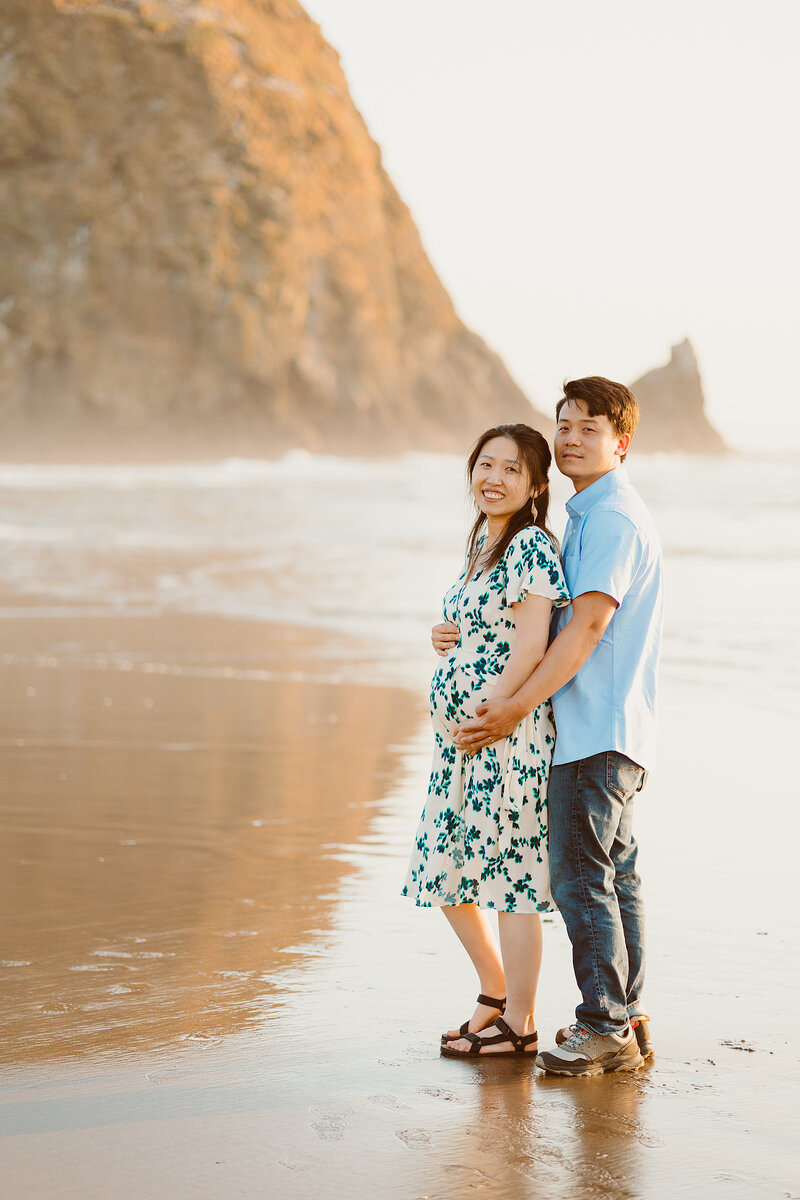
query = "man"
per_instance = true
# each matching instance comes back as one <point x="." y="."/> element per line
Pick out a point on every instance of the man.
<point x="600" y="670"/>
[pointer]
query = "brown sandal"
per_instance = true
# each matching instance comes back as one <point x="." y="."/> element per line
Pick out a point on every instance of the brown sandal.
<point x="506" y="1034"/>
<point x="490" y="1002"/>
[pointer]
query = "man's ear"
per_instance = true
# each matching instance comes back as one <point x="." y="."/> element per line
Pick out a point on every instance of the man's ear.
<point x="623" y="444"/>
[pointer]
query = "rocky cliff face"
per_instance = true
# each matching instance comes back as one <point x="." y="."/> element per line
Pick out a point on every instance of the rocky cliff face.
<point x="198" y="234"/>
<point x="673" y="408"/>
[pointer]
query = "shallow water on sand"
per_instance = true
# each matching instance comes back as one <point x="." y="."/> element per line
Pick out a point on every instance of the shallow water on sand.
<point x="209" y="979"/>
<point x="171" y="842"/>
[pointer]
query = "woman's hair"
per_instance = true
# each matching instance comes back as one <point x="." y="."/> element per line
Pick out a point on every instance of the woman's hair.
<point x="534" y="457"/>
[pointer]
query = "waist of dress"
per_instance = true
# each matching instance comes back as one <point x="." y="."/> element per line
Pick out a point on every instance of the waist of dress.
<point x="478" y="651"/>
<point x="473" y="670"/>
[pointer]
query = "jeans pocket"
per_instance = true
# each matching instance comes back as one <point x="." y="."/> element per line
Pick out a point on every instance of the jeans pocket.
<point x="623" y="777"/>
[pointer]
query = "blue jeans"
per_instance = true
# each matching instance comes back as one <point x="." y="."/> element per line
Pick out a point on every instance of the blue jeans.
<point x="595" y="885"/>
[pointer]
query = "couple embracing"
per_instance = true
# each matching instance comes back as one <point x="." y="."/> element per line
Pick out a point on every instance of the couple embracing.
<point x="544" y="721"/>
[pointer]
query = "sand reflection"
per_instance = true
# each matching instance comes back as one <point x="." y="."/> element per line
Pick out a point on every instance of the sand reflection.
<point x="537" y="1136"/>
<point x="170" y="842"/>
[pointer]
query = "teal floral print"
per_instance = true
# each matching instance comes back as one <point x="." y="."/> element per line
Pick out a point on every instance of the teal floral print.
<point x="482" y="837"/>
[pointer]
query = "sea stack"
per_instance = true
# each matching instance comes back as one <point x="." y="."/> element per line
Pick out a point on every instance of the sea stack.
<point x="672" y="405"/>
<point x="200" y="239"/>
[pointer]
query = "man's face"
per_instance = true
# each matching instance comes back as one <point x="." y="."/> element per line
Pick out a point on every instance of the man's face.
<point x="586" y="447"/>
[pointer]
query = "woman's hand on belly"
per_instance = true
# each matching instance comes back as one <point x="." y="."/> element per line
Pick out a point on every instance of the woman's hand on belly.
<point x="444" y="638"/>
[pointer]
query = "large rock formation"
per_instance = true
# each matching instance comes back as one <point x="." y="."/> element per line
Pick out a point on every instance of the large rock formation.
<point x="198" y="234"/>
<point x="673" y="407"/>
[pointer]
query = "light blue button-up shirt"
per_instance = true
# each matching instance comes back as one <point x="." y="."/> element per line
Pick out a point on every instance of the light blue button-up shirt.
<point x="611" y="546"/>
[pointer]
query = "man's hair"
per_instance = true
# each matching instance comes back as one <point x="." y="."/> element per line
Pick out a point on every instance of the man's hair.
<point x="603" y="397"/>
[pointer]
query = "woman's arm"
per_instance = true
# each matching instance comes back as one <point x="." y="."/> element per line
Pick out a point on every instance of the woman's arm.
<point x="532" y="620"/>
<point x="591" y="614"/>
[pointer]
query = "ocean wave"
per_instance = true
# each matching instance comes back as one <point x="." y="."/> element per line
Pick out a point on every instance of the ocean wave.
<point x="367" y="547"/>
<point x="220" y="473"/>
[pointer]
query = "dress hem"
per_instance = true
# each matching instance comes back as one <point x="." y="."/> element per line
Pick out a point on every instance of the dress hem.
<point x="438" y="902"/>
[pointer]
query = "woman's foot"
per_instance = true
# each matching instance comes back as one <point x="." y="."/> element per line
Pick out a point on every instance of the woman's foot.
<point x="483" y="1016"/>
<point x="495" y="1035"/>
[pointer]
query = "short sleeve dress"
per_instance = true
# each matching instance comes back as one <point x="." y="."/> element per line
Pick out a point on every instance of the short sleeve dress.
<point x="482" y="837"/>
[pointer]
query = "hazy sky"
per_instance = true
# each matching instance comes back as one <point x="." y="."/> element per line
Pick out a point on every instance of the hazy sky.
<point x="595" y="181"/>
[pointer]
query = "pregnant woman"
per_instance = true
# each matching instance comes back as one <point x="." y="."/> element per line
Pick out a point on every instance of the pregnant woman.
<point x="482" y="838"/>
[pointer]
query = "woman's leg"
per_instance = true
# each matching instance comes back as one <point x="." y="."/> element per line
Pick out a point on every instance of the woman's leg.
<point x="472" y="929"/>
<point x="521" y="945"/>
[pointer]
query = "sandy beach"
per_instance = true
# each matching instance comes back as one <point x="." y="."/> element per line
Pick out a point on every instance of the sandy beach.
<point x="268" y="270"/>
<point x="212" y="987"/>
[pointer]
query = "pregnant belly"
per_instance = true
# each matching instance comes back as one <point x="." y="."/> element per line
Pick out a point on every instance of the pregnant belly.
<point x="457" y="688"/>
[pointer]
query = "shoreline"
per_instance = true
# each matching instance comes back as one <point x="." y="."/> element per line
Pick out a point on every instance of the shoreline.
<point x="157" y="452"/>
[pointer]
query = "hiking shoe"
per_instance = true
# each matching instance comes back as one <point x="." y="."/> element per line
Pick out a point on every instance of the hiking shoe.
<point x="565" y="1033"/>
<point x="588" y="1053"/>
<point x="640" y="1026"/>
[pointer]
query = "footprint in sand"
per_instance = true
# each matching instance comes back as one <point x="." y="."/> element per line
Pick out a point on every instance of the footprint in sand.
<point x="440" y="1093"/>
<point x="414" y="1137"/>
<point x="331" y="1123"/>
<point x="386" y="1101"/>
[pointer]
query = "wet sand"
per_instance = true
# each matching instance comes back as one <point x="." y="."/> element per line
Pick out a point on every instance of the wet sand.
<point x="211" y="986"/>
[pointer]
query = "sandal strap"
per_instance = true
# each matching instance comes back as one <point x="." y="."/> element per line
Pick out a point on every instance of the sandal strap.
<point x="518" y="1041"/>
<point x="477" y="1040"/>
<point x="492" y="1002"/>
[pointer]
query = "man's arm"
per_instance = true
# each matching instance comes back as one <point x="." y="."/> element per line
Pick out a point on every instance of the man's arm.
<point x="496" y="719"/>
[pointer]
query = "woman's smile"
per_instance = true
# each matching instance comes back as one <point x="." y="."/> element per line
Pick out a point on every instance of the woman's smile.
<point x="500" y="483"/>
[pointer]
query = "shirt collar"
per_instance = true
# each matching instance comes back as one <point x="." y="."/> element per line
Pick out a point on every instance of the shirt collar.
<point x="581" y="502"/>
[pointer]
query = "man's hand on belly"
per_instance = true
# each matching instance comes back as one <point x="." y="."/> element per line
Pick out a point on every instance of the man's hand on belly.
<point x="495" y="720"/>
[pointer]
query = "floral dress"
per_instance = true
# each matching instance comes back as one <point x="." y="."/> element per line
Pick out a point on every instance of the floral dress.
<point x="482" y="837"/>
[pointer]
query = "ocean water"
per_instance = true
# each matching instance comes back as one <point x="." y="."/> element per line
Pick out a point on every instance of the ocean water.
<point x="367" y="547"/>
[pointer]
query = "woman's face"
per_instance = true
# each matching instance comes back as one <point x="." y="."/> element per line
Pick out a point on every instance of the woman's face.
<point x="500" y="483"/>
